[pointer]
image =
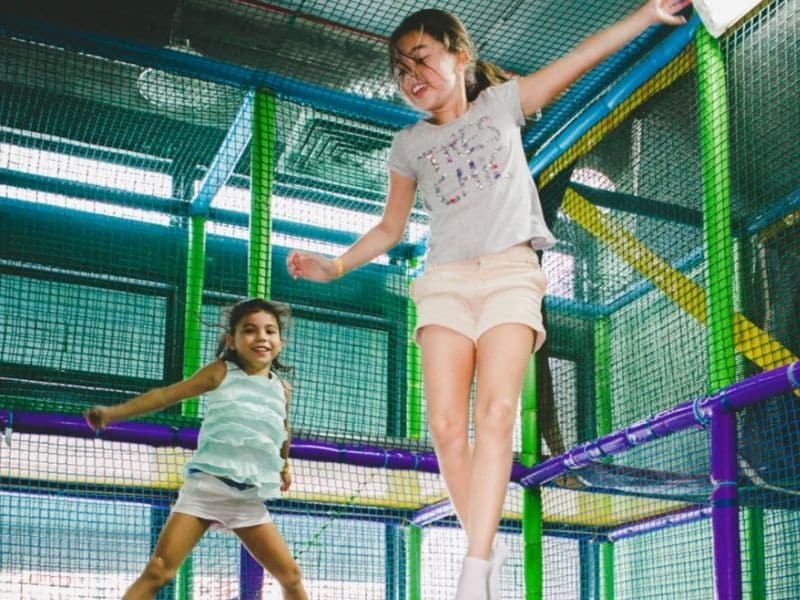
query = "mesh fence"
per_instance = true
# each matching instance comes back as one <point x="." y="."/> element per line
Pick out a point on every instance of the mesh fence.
<point x="142" y="191"/>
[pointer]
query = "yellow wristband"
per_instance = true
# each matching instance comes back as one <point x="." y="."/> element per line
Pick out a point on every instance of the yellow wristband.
<point x="339" y="267"/>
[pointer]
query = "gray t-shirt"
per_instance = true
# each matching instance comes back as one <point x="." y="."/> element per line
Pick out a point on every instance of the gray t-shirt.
<point x="474" y="179"/>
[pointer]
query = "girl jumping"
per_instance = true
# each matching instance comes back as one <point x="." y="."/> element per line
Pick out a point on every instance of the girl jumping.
<point x="242" y="450"/>
<point x="479" y="300"/>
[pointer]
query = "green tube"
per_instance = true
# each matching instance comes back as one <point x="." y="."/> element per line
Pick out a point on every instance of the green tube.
<point x="531" y="499"/>
<point x="195" y="276"/>
<point x="604" y="416"/>
<point x="262" y="176"/>
<point x="183" y="580"/>
<point x="414" y="431"/>
<point x="754" y="543"/>
<point x="414" y="395"/>
<point x="602" y="375"/>
<point x="713" y="103"/>
<point x="719" y="249"/>
<point x="755" y="553"/>
<point x="413" y="563"/>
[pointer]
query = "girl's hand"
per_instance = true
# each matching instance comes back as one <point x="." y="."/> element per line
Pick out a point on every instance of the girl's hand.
<point x="311" y="266"/>
<point x="286" y="479"/>
<point x="97" y="417"/>
<point x="666" y="11"/>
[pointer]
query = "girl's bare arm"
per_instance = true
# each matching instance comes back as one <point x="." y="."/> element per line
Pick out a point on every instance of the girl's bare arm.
<point x="379" y="239"/>
<point x="205" y="380"/>
<point x="543" y="86"/>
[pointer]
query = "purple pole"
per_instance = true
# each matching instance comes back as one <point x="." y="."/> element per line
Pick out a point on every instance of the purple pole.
<point x="76" y="426"/>
<point x="164" y="435"/>
<point x="693" y="413"/>
<point x="725" y="506"/>
<point x="673" y="519"/>
<point x="251" y="576"/>
<point x="432" y="513"/>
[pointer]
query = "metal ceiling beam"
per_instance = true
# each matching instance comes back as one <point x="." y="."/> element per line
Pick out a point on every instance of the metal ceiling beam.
<point x="228" y="156"/>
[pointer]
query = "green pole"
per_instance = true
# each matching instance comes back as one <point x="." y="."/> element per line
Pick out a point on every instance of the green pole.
<point x="603" y="410"/>
<point x="413" y="562"/>
<point x="262" y="176"/>
<point x="754" y="544"/>
<point x="531" y="498"/>
<point x="414" y="431"/>
<point x="259" y="252"/>
<point x="713" y="105"/>
<point x="755" y="553"/>
<point x="414" y="398"/>
<point x="195" y="276"/>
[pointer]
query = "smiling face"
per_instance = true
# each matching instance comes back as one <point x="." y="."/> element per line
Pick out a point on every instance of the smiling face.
<point x="257" y="341"/>
<point x="430" y="76"/>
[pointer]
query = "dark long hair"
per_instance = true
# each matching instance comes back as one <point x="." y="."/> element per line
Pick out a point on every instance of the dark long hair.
<point x="235" y="313"/>
<point x="448" y="30"/>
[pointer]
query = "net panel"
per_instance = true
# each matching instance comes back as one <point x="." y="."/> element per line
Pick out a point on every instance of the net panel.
<point x="104" y="161"/>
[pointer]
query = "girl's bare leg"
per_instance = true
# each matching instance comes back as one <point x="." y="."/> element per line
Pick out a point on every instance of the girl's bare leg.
<point x="268" y="547"/>
<point x="502" y="358"/>
<point x="180" y="534"/>
<point x="448" y="365"/>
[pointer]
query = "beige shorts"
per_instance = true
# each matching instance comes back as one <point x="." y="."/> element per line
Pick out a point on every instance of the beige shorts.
<point x="208" y="497"/>
<point x="471" y="296"/>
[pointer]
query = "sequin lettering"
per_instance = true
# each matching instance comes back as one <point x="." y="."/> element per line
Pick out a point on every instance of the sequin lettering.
<point x="467" y="162"/>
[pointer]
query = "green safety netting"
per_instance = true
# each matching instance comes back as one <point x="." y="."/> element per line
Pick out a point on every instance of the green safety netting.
<point x="159" y="160"/>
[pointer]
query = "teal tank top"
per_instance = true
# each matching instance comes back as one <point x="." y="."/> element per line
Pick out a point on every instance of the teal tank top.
<point x="243" y="431"/>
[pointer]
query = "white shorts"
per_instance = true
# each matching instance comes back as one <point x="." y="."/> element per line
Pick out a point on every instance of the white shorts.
<point x="473" y="295"/>
<point x="209" y="497"/>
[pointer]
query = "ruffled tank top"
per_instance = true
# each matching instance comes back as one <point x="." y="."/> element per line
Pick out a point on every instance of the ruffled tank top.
<point x="243" y="431"/>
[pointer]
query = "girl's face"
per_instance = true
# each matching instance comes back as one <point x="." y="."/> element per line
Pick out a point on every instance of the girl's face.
<point x="257" y="341"/>
<point x="430" y="77"/>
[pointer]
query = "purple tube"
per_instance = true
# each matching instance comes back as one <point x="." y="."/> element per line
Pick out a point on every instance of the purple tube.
<point x="186" y="438"/>
<point x="693" y="413"/>
<point x="725" y="506"/>
<point x="364" y="456"/>
<point x="164" y="435"/>
<point x="142" y="433"/>
<point x="518" y="472"/>
<point x="432" y="513"/>
<point x="251" y="576"/>
<point x="316" y="451"/>
<point x="673" y="519"/>
<point x="75" y="426"/>
<point x="759" y="387"/>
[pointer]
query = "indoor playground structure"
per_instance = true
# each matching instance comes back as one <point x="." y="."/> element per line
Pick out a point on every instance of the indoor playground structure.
<point x="158" y="161"/>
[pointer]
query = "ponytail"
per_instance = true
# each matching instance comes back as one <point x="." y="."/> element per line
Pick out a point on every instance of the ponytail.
<point x="482" y="76"/>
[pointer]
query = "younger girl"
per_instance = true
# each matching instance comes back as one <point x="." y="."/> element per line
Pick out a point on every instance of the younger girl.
<point x="242" y="451"/>
<point x="478" y="302"/>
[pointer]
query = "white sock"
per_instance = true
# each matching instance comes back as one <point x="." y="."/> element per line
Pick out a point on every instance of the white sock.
<point x="498" y="558"/>
<point x="473" y="581"/>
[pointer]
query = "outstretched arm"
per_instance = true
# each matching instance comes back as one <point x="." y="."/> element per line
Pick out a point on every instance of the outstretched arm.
<point x="545" y="85"/>
<point x="206" y="379"/>
<point x="379" y="239"/>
